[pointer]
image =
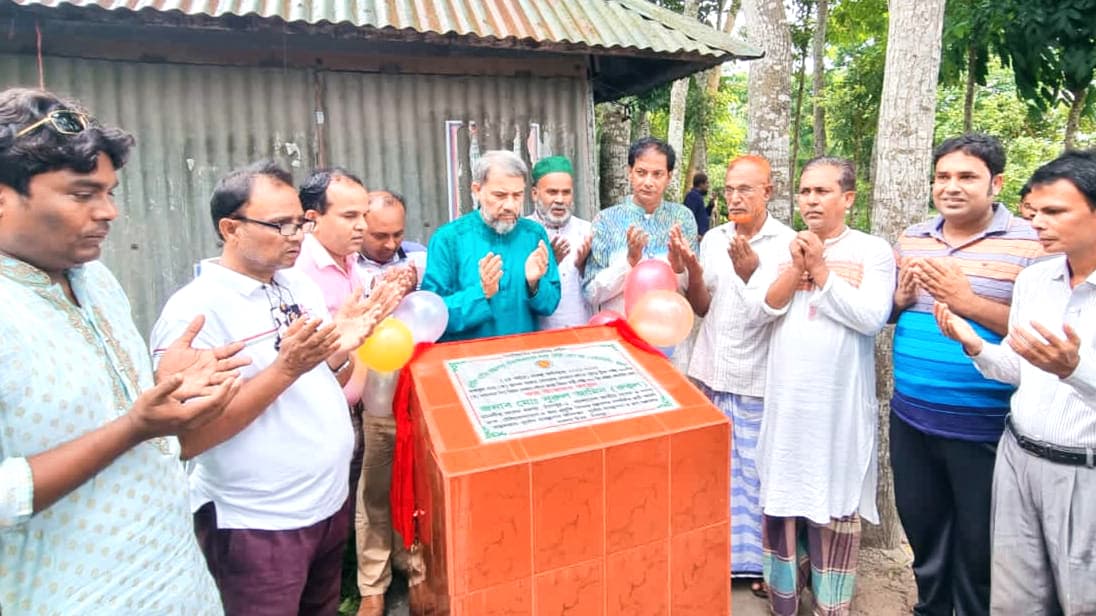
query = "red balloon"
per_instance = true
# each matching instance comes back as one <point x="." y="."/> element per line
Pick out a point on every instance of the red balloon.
<point x="648" y="275"/>
<point x="605" y="316"/>
<point x="663" y="318"/>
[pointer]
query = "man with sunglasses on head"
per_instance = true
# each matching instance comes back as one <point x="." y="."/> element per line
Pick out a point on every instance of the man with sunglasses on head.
<point x="269" y="481"/>
<point x="93" y="513"/>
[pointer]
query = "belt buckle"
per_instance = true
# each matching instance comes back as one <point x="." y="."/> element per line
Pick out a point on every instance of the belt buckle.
<point x="1039" y="449"/>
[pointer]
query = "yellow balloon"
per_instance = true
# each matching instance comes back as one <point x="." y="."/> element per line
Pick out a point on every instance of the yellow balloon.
<point x="388" y="348"/>
<point x="662" y="318"/>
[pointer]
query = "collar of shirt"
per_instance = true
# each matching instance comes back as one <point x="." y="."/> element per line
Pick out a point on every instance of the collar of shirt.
<point x="998" y="224"/>
<point x="243" y="284"/>
<point x="370" y="263"/>
<point x="26" y="274"/>
<point x="635" y="207"/>
<point x="770" y="228"/>
<point x="1064" y="274"/>
<point x="840" y="236"/>
<point x="313" y="250"/>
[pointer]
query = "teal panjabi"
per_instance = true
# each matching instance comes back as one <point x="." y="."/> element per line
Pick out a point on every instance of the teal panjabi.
<point x="452" y="271"/>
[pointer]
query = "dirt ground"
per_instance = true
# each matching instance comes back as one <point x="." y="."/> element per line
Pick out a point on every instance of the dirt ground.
<point x="884" y="587"/>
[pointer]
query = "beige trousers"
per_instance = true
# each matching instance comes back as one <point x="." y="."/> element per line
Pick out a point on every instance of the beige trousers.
<point x="379" y="546"/>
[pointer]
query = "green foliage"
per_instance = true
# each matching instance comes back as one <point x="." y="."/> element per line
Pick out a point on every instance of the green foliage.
<point x="969" y="25"/>
<point x="1030" y="55"/>
<point x="727" y="132"/>
<point x="1029" y="141"/>
<point x="1051" y="46"/>
<point x="852" y="101"/>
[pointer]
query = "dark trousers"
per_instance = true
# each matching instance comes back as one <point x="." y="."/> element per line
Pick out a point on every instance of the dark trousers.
<point x="943" y="489"/>
<point x="356" y="459"/>
<point x="275" y="572"/>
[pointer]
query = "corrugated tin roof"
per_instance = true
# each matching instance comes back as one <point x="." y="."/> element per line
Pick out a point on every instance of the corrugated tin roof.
<point x="596" y="24"/>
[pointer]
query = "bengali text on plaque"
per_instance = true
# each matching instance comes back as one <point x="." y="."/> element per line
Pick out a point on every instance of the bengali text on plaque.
<point x="526" y="393"/>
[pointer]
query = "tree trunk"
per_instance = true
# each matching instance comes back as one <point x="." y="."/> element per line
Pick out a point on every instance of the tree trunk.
<point x="972" y="85"/>
<point x="1074" y="120"/>
<point x="613" y="141"/>
<point x="902" y="160"/>
<point x="769" y="104"/>
<point x="679" y="93"/>
<point x="801" y="78"/>
<point x="698" y="159"/>
<point x="818" y="53"/>
<point x="641" y="126"/>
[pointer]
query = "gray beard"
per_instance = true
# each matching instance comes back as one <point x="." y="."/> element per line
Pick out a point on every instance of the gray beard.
<point x="545" y="216"/>
<point x="500" y="227"/>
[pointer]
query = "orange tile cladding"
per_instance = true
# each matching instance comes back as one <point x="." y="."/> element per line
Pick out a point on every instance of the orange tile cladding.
<point x="625" y="517"/>
<point x="578" y="590"/>
<point x="637" y="493"/>
<point x="693" y="590"/>
<point x="637" y="584"/>
<point x="568" y="510"/>
<point x="699" y="488"/>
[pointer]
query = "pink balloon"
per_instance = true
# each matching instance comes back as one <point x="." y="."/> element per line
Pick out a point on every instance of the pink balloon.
<point x="662" y="318"/>
<point x="647" y="275"/>
<point x="605" y="316"/>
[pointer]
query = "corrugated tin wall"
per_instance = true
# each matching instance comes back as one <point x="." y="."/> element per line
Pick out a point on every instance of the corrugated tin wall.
<point x="392" y="129"/>
<point x="192" y="124"/>
<point x="195" y="123"/>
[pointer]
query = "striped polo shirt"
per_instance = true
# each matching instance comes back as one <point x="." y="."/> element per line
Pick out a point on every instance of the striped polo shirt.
<point x="936" y="387"/>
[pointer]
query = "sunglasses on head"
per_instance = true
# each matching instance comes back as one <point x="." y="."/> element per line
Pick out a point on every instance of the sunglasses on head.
<point x="63" y="121"/>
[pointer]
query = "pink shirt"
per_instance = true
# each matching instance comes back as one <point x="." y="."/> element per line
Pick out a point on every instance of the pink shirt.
<point x="335" y="281"/>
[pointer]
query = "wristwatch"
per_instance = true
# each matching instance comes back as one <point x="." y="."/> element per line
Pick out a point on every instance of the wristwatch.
<point x="341" y="367"/>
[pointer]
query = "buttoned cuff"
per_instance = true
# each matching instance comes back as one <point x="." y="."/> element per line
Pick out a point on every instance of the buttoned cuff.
<point x="16" y="491"/>
<point x="1083" y="378"/>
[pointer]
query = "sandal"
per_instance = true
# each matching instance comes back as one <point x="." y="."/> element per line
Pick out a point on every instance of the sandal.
<point x="759" y="590"/>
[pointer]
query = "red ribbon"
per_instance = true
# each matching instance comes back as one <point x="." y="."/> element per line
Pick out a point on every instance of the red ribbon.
<point x="402" y="497"/>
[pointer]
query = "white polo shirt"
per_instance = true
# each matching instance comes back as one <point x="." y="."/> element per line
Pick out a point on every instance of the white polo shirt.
<point x="289" y="468"/>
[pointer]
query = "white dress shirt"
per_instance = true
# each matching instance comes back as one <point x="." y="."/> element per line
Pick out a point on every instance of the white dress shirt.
<point x="1046" y="408"/>
<point x="732" y="346"/>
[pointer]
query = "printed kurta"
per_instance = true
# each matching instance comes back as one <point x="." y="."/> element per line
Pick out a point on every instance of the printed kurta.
<point x="123" y="542"/>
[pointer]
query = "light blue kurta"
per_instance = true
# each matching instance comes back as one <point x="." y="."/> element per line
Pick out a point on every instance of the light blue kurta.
<point x="452" y="271"/>
<point x="123" y="542"/>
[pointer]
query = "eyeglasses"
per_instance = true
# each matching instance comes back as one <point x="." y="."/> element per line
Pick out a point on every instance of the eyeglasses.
<point x="287" y="229"/>
<point x="745" y="190"/>
<point x="63" y="121"/>
<point x="283" y="310"/>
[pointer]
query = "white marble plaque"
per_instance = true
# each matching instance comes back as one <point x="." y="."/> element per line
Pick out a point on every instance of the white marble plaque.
<point x="524" y="393"/>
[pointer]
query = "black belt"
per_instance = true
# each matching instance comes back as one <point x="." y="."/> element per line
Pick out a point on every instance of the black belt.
<point x="1074" y="456"/>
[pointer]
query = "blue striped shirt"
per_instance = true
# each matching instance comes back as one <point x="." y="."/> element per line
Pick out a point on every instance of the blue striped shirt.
<point x="936" y="387"/>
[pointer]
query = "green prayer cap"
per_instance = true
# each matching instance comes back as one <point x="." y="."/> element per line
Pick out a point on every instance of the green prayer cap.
<point x="552" y="164"/>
